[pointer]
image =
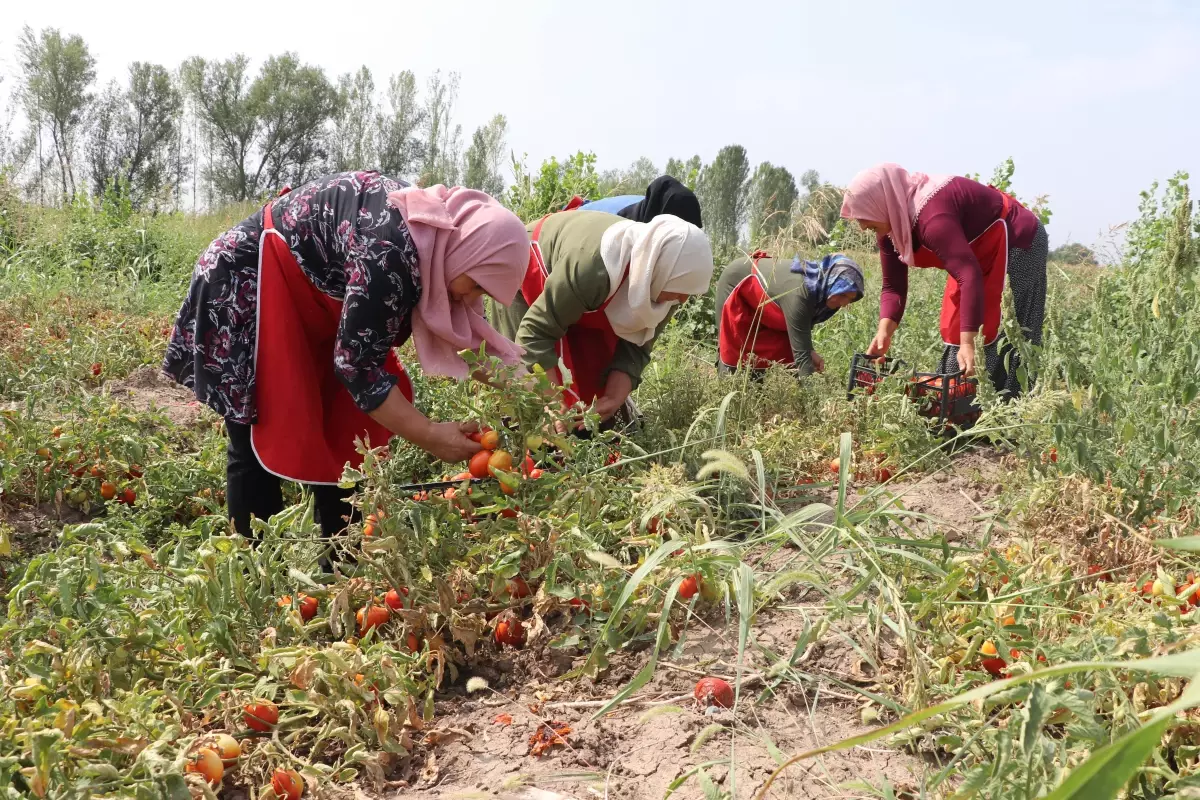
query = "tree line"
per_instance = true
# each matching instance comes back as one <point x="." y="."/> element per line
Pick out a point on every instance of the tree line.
<point x="212" y="132"/>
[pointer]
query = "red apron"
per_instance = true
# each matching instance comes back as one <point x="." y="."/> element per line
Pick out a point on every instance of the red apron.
<point x="589" y="345"/>
<point x="307" y="420"/>
<point x="753" y="329"/>
<point x="991" y="249"/>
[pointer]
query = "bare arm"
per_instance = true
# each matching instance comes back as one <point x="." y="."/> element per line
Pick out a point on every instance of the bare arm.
<point x="446" y="440"/>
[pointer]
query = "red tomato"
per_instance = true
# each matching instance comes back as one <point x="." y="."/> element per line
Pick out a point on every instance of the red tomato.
<point x="395" y="599"/>
<point x="413" y="642"/>
<point x="535" y="473"/>
<point x="518" y="588"/>
<point x="371" y="617"/>
<point x="288" y="784"/>
<point x="713" y="692"/>
<point x="478" y="465"/>
<point x="510" y="631"/>
<point x="128" y="496"/>
<point x="995" y="666"/>
<point x="261" y="715"/>
<point x="308" y="607"/>
<point x="97" y="368"/>
<point x="689" y="587"/>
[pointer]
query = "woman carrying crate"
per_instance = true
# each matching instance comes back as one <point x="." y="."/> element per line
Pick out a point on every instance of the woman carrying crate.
<point x="598" y="290"/>
<point x="977" y="234"/>
<point x="664" y="195"/>
<point x="288" y="328"/>
<point x="766" y="309"/>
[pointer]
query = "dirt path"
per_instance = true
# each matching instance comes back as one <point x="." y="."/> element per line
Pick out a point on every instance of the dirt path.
<point x="639" y="750"/>
<point x="642" y="748"/>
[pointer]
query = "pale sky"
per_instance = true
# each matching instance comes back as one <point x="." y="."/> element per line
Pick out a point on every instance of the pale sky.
<point x="1093" y="99"/>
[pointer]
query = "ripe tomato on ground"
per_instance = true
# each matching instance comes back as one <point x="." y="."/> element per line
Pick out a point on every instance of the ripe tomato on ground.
<point x="509" y="630"/>
<point x="261" y="715"/>
<point x="225" y="746"/>
<point x="395" y="599"/>
<point x="713" y="692"/>
<point x="206" y="762"/>
<point x="371" y="617"/>
<point x="288" y="784"/>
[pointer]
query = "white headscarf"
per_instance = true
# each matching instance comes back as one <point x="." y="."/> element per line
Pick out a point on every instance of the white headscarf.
<point x="665" y="254"/>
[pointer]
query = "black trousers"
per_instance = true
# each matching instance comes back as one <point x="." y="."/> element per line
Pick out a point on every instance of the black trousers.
<point x="252" y="491"/>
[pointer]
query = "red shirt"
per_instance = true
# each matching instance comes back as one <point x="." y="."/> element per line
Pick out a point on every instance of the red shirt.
<point x="960" y="211"/>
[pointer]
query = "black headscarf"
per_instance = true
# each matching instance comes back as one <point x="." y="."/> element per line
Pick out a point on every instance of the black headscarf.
<point x="665" y="195"/>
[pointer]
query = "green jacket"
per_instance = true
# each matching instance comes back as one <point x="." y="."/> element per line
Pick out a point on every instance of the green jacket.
<point x="578" y="283"/>
<point x="787" y="289"/>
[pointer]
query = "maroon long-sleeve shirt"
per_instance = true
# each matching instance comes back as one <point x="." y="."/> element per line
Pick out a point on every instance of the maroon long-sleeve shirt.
<point x="959" y="212"/>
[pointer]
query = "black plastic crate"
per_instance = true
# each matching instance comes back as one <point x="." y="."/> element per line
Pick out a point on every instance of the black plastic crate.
<point x="950" y="399"/>
<point x="866" y="371"/>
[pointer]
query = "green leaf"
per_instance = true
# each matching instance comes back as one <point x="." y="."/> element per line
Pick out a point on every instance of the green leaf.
<point x="1036" y="712"/>
<point x="1108" y="769"/>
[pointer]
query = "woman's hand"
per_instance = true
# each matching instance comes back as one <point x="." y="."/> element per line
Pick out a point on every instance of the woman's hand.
<point x="817" y="362"/>
<point x="449" y="441"/>
<point x="966" y="355"/>
<point x="616" y="392"/>
<point x="883" y="338"/>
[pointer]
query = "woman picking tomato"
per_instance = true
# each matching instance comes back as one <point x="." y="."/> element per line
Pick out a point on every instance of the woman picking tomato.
<point x="288" y="328"/>
<point x="767" y="311"/>
<point x="977" y="234"/>
<point x="598" y="290"/>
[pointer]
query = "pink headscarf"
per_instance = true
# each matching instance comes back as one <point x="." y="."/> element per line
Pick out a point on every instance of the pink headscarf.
<point x="461" y="231"/>
<point x="889" y="193"/>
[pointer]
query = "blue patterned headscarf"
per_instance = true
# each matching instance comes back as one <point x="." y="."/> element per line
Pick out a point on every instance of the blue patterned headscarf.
<point x="833" y="274"/>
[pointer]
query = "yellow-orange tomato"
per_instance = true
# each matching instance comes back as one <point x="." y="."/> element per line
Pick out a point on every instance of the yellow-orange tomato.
<point x="490" y="440"/>
<point x="501" y="461"/>
<point x="288" y="784"/>
<point x="1009" y="620"/>
<point x="372" y="617"/>
<point x="108" y="491"/>
<point x="988" y="649"/>
<point x="371" y="525"/>
<point x="206" y="762"/>
<point x="261" y="715"/>
<point x="224" y="746"/>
